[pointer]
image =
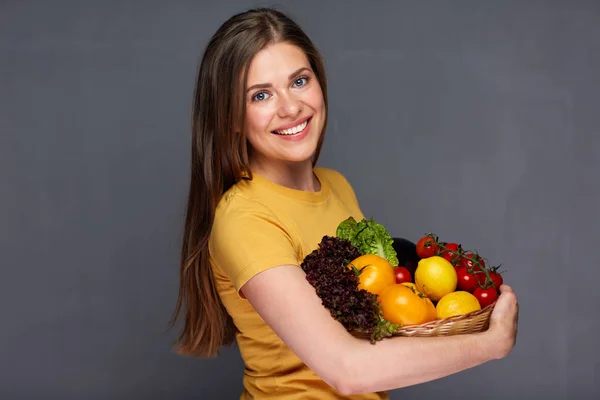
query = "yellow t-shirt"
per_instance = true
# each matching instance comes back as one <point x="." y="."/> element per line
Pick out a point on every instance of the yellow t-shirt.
<point x="258" y="225"/>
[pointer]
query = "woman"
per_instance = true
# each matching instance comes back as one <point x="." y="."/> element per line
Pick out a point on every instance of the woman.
<point x="257" y="205"/>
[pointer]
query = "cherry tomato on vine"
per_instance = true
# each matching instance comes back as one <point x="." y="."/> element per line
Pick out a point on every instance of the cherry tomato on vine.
<point x="427" y="247"/>
<point x="496" y="278"/>
<point x="452" y="252"/>
<point x="470" y="261"/>
<point x="485" y="296"/>
<point x="402" y="274"/>
<point x="466" y="281"/>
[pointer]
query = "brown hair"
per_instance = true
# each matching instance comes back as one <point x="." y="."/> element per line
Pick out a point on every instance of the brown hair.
<point x="220" y="158"/>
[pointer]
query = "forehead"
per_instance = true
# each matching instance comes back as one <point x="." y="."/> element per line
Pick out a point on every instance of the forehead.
<point x="275" y="62"/>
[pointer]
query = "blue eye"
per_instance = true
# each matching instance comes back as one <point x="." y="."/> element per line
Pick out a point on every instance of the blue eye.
<point x="301" y="81"/>
<point x="260" y="96"/>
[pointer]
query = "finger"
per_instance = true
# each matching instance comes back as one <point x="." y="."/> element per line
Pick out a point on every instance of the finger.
<point x="506" y="305"/>
<point x="504" y="288"/>
<point x="507" y="292"/>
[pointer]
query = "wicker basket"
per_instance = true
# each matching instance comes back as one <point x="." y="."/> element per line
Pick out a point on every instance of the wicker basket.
<point x="476" y="321"/>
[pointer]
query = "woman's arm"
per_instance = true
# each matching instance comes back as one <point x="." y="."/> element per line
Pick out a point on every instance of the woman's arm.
<point x="289" y="305"/>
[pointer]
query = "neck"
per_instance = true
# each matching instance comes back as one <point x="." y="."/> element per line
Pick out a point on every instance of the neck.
<point x="297" y="176"/>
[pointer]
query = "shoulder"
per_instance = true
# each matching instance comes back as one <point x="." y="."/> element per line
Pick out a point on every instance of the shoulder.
<point x="242" y="214"/>
<point x="336" y="180"/>
<point x="333" y="177"/>
<point x="237" y="207"/>
<point x="247" y="237"/>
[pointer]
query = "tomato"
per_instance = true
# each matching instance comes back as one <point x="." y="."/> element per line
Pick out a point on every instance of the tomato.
<point x="427" y="246"/>
<point x="375" y="273"/>
<point x="452" y="252"/>
<point x="486" y="296"/>
<point x="472" y="262"/>
<point x="411" y="285"/>
<point x="496" y="278"/>
<point x="415" y="289"/>
<point x="466" y="281"/>
<point x="402" y="274"/>
<point x="401" y="305"/>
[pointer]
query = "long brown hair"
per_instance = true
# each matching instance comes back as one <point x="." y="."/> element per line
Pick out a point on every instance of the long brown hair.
<point x="220" y="158"/>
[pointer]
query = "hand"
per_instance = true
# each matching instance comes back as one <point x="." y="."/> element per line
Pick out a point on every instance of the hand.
<point x="504" y="322"/>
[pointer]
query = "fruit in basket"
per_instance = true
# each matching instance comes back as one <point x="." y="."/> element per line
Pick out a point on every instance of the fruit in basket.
<point x="456" y="303"/>
<point x="337" y="287"/>
<point x="435" y="277"/>
<point x="402" y="274"/>
<point x="467" y="281"/>
<point x="356" y="275"/>
<point x="427" y="246"/>
<point x="414" y="288"/>
<point x="375" y="273"/>
<point x="495" y="279"/>
<point x="485" y="297"/>
<point x="452" y="252"/>
<point x="472" y="261"/>
<point x="402" y="305"/>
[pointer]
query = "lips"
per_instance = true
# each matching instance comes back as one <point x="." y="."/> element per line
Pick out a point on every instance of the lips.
<point x="293" y="128"/>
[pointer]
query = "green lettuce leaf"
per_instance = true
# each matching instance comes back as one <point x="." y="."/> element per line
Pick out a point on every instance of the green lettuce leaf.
<point x="370" y="238"/>
<point x="347" y="229"/>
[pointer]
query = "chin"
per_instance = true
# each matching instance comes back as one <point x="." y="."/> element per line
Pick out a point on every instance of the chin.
<point x="297" y="157"/>
<point x="301" y="151"/>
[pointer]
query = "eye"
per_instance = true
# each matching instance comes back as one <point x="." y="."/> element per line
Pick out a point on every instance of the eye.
<point x="260" y="96"/>
<point x="302" y="81"/>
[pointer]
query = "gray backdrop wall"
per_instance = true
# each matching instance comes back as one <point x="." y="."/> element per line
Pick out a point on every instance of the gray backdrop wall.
<point x="475" y="120"/>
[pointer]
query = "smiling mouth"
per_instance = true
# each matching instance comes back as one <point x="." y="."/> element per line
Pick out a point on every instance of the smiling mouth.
<point x="294" y="130"/>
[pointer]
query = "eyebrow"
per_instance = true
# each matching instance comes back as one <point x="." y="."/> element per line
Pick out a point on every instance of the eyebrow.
<point x="268" y="85"/>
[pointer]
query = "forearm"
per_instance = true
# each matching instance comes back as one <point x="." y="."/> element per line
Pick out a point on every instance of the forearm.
<point x="404" y="361"/>
<point x="353" y="365"/>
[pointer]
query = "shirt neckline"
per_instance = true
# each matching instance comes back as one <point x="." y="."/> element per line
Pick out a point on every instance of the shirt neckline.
<point x="296" y="194"/>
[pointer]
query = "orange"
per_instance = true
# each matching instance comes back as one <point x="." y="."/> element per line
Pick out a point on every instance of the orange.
<point x="401" y="305"/>
<point x="375" y="272"/>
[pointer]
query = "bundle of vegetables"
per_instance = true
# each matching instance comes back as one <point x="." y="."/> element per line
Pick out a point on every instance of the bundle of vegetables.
<point x="357" y="276"/>
<point x="330" y="271"/>
<point x="472" y="274"/>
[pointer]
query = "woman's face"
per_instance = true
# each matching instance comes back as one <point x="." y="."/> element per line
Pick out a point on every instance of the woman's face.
<point x="285" y="109"/>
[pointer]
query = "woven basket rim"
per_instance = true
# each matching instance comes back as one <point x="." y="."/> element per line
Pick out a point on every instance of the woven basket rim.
<point x="450" y="320"/>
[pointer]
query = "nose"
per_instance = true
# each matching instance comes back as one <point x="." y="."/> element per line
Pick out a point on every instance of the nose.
<point x="289" y="106"/>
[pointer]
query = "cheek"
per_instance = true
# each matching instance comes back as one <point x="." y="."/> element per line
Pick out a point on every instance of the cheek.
<point x="258" y="119"/>
<point x="315" y="98"/>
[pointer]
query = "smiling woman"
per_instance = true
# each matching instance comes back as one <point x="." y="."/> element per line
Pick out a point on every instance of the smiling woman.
<point x="257" y="205"/>
<point x="286" y="114"/>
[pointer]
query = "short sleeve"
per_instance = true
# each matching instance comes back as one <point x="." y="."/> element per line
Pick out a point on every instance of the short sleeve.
<point x="247" y="238"/>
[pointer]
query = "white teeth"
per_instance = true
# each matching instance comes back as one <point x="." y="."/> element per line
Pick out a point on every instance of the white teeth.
<point x="294" y="130"/>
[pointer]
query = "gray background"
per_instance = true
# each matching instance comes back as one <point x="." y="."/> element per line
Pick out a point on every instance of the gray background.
<point x="475" y="120"/>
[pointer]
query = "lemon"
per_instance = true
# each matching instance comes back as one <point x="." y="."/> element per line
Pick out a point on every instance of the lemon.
<point x="435" y="277"/>
<point x="456" y="303"/>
